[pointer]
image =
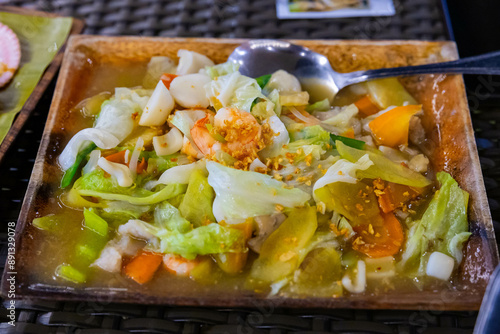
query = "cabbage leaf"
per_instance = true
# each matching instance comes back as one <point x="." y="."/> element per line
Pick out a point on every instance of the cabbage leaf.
<point x="382" y="167"/>
<point x="243" y="194"/>
<point x="209" y="239"/>
<point x="196" y="206"/>
<point x="168" y="217"/>
<point x="233" y="90"/>
<point x="442" y="228"/>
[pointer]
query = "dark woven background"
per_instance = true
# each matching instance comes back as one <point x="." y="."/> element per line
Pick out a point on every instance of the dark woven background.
<point x="415" y="19"/>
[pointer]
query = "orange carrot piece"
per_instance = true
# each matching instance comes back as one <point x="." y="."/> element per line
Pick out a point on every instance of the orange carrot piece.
<point x="142" y="166"/>
<point x="366" y="106"/>
<point x="167" y="78"/>
<point x="118" y="157"/>
<point x="143" y="266"/>
<point x="391" y="128"/>
<point x="379" y="240"/>
<point x="392" y="196"/>
<point x="349" y="133"/>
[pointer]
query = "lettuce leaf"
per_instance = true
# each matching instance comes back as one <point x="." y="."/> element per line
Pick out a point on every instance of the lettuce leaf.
<point x="196" y="206"/>
<point x="442" y="228"/>
<point x="243" y="194"/>
<point x="209" y="239"/>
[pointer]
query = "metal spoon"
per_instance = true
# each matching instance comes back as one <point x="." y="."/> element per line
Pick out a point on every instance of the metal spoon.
<point x="265" y="56"/>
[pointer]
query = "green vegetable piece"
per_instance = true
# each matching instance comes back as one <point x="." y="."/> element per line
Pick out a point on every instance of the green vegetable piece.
<point x="69" y="273"/>
<point x="221" y="69"/>
<point x="280" y="253"/>
<point x="320" y="274"/>
<point x="443" y="227"/>
<point x="168" y="216"/>
<point x="209" y="239"/>
<point x="322" y="105"/>
<point x="196" y="206"/>
<point x="382" y="167"/>
<point x="206" y="272"/>
<point x="71" y="172"/>
<point x="215" y="135"/>
<point x="50" y="223"/>
<point x="87" y="249"/>
<point x="263" y="109"/>
<point x="263" y="80"/>
<point x="86" y="253"/>
<point x="116" y="213"/>
<point x="358" y="144"/>
<point x="96" y="181"/>
<point x="169" y="191"/>
<point x="95" y="223"/>
<point x="161" y="164"/>
<point x="350" y="259"/>
<point x="355" y="201"/>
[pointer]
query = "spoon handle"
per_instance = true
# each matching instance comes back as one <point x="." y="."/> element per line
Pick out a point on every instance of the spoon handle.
<point x="488" y="63"/>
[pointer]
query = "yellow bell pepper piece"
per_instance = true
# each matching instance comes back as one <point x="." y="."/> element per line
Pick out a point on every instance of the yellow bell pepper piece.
<point x="391" y="128"/>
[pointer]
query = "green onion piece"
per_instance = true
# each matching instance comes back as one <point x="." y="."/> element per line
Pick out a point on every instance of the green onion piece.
<point x="68" y="273"/>
<point x="263" y="80"/>
<point x="215" y="135"/>
<point x="71" y="172"/>
<point x="359" y="144"/>
<point x="95" y="223"/>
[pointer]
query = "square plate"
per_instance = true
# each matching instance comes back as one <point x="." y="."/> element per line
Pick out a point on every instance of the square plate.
<point x="47" y="76"/>
<point x="451" y="147"/>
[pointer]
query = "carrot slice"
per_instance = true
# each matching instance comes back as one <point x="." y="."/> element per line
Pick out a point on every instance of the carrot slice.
<point x="142" y="166"/>
<point x="143" y="266"/>
<point x="366" y="106"/>
<point x="391" y="128"/>
<point x="349" y="133"/>
<point x="118" y="157"/>
<point x="392" y="196"/>
<point x="379" y="240"/>
<point x="167" y="78"/>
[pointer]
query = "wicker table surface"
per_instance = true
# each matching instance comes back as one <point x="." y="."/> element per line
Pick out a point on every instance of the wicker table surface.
<point x="415" y="19"/>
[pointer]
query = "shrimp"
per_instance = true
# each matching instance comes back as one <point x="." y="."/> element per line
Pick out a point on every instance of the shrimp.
<point x="240" y="134"/>
<point x="178" y="265"/>
<point x="202" y="137"/>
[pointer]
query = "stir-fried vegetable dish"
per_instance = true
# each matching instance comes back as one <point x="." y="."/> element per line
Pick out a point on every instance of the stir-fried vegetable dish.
<point x="203" y="174"/>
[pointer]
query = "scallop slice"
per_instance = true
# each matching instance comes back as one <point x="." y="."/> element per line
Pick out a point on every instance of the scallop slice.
<point x="10" y="54"/>
<point x="189" y="90"/>
<point x="191" y="62"/>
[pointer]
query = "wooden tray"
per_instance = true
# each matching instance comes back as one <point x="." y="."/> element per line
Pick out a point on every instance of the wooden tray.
<point x="46" y="78"/>
<point x="446" y="119"/>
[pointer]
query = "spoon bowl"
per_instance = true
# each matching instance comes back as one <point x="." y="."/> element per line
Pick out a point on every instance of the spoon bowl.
<point x="265" y="56"/>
